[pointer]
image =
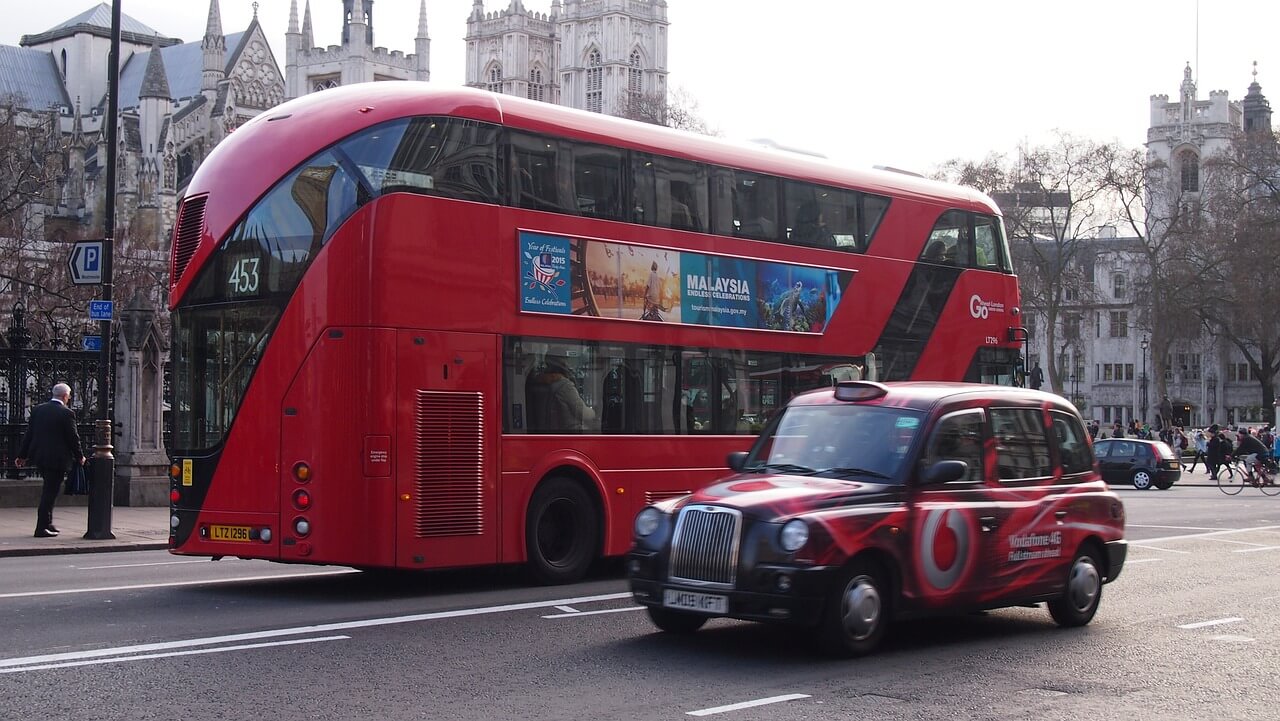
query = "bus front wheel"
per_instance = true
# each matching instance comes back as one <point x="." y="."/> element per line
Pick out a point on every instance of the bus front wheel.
<point x="561" y="531"/>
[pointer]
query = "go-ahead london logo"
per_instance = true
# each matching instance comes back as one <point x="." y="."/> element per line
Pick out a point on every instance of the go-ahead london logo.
<point x="979" y="308"/>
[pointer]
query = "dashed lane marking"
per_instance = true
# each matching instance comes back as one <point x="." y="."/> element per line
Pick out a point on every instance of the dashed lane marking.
<point x="1261" y="548"/>
<point x="175" y="584"/>
<point x="1231" y="639"/>
<point x="575" y="614"/>
<point x="746" y="704"/>
<point x="1163" y="550"/>
<point x="1176" y="528"/>
<point x="1215" y="622"/>
<point x="1207" y="535"/>
<point x="194" y="652"/>
<point x="1142" y="560"/>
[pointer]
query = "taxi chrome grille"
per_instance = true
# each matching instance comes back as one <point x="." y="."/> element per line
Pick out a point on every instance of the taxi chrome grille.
<point x="704" y="548"/>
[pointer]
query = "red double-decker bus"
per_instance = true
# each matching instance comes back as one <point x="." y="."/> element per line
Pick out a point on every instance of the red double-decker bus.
<point x="421" y="328"/>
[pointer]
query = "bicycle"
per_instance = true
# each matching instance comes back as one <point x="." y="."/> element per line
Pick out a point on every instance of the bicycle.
<point x="1235" y="474"/>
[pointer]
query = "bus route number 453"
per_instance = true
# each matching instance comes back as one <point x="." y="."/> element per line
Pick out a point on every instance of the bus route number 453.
<point x="244" y="276"/>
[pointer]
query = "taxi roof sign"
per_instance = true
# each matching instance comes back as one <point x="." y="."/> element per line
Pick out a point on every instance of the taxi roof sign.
<point x="860" y="390"/>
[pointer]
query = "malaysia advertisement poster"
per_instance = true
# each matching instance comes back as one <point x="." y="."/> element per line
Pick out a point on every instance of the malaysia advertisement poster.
<point x="617" y="280"/>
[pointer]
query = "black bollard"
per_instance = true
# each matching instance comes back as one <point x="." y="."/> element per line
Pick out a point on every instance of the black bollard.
<point x="102" y="485"/>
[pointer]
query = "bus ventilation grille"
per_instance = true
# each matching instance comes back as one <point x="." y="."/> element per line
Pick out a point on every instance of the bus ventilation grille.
<point x="651" y="497"/>
<point x="449" y="464"/>
<point x="186" y="236"/>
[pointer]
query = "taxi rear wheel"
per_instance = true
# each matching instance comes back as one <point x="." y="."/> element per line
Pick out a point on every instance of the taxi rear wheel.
<point x="856" y="612"/>
<point x="1083" y="592"/>
<point x="675" y="621"/>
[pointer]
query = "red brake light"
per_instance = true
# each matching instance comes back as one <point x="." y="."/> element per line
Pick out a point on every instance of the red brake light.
<point x="301" y="499"/>
<point x="174" y="496"/>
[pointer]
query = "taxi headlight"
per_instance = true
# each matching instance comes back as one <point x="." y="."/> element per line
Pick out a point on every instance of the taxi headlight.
<point x="794" y="535"/>
<point x="647" y="521"/>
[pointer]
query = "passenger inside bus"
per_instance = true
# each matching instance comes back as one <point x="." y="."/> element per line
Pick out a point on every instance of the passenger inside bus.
<point x="553" y="400"/>
<point x="811" y="227"/>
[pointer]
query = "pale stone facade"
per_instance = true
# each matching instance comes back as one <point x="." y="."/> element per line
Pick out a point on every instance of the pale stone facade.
<point x="586" y="54"/>
<point x="309" y="69"/>
<point x="1100" y="338"/>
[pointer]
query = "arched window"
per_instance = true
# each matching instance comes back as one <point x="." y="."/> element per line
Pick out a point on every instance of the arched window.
<point x="1190" y="171"/>
<point x="536" y="88"/>
<point x="495" y="78"/>
<point x="64" y="64"/>
<point x="595" y="83"/>
<point x="635" y="74"/>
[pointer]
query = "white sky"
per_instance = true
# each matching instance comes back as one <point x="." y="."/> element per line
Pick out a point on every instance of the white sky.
<point x="907" y="83"/>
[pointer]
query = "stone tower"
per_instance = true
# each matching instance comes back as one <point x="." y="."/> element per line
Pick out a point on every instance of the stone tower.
<point x="588" y="55"/>
<point x="309" y="69"/>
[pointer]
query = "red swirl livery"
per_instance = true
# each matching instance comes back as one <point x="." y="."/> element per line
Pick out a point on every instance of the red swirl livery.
<point x="870" y="502"/>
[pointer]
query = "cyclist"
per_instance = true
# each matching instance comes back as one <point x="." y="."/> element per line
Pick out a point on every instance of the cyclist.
<point x="1250" y="450"/>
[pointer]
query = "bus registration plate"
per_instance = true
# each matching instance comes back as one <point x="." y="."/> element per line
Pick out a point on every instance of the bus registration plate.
<point x="690" y="601"/>
<point x="229" y="533"/>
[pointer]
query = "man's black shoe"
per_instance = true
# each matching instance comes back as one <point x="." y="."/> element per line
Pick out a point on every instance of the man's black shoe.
<point x="51" y="528"/>
<point x="46" y="533"/>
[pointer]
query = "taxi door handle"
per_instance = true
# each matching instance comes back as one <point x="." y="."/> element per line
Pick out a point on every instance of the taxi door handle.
<point x="1059" y="515"/>
<point x="988" y="523"/>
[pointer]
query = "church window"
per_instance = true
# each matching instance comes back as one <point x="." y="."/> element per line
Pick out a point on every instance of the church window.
<point x="64" y="64"/>
<point x="1190" y="171"/>
<point x="635" y="75"/>
<point x="595" y="83"/>
<point x="324" y="82"/>
<point x="537" y="90"/>
<point x="495" y="79"/>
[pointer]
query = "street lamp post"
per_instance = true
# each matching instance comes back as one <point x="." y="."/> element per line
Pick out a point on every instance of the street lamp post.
<point x="1145" y="344"/>
<point x="1211" y="393"/>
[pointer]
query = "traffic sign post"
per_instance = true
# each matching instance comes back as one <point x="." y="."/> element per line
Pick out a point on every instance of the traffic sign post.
<point x="85" y="262"/>
<point x="101" y="310"/>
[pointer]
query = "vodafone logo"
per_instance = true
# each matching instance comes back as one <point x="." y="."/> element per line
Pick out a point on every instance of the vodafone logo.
<point x="946" y="548"/>
<point x="979" y="308"/>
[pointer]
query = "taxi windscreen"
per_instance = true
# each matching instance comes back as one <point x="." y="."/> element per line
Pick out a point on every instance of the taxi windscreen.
<point x="853" y="441"/>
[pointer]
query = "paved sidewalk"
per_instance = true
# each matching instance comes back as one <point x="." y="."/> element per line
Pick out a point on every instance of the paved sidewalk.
<point x="135" y="529"/>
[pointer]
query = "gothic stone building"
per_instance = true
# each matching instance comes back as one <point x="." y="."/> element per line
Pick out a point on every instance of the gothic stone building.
<point x="309" y="69"/>
<point x="586" y="54"/>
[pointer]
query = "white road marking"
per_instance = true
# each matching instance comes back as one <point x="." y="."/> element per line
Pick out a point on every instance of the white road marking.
<point x="173" y="584"/>
<point x="1262" y="548"/>
<point x="1238" y="543"/>
<point x="1142" y="560"/>
<point x="747" y="704"/>
<point x="299" y="630"/>
<point x="1164" y="550"/>
<point x="1206" y="535"/>
<point x="143" y="657"/>
<point x="575" y="614"/>
<point x="1177" y="528"/>
<point x="567" y="609"/>
<point x="138" y="565"/>
<point x="1230" y="638"/>
<point x="1215" y="622"/>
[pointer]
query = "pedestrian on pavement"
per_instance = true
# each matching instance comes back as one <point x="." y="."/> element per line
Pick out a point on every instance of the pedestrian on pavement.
<point x="1202" y="451"/>
<point x="1218" y="448"/>
<point x="1037" y="377"/>
<point x="52" y="444"/>
<point x="1093" y="429"/>
<point x="1117" y="430"/>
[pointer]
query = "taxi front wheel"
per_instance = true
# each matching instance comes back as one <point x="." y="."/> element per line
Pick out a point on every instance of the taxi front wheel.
<point x="856" y="612"/>
<point x="1079" y="600"/>
<point x="676" y="621"/>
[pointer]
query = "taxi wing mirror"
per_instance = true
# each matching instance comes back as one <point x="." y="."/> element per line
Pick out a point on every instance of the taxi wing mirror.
<point x="737" y="461"/>
<point x="946" y="471"/>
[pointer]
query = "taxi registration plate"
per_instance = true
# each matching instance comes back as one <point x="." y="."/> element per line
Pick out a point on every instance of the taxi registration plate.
<point x="239" y="534"/>
<point x="691" y="601"/>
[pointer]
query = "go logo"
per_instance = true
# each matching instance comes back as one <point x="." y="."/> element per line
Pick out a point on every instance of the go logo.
<point x="978" y="308"/>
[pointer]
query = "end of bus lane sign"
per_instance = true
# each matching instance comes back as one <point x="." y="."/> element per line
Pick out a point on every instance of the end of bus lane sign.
<point x="100" y="309"/>
<point x="85" y="262"/>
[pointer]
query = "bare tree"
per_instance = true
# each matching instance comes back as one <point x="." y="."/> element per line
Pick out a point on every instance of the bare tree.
<point x="1241" y="197"/>
<point x="677" y="110"/>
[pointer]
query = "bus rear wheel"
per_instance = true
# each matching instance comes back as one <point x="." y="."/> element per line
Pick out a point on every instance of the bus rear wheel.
<point x="562" y="532"/>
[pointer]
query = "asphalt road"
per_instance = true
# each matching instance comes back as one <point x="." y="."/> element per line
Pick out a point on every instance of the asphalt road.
<point x="1188" y="632"/>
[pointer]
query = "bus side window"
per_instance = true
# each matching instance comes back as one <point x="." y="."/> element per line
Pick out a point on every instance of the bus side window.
<point x="669" y="193"/>
<point x="944" y="245"/>
<point x="597" y="181"/>
<point x="536" y="175"/>
<point x="871" y="210"/>
<point x="986" y="247"/>
<point x="754" y="200"/>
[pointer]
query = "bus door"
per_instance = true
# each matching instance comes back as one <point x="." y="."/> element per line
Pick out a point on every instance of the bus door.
<point x="446" y="454"/>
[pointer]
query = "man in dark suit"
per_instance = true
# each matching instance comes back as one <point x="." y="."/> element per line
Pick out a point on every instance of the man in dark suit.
<point x="52" y="444"/>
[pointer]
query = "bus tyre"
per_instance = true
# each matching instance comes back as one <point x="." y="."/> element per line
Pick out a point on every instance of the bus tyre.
<point x="562" y="532"/>
<point x="856" y="612"/>
<point x="1083" y="591"/>
<point x="675" y="621"/>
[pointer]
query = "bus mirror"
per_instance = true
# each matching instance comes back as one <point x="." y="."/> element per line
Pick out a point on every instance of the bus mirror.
<point x="945" y="472"/>
<point x="737" y="461"/>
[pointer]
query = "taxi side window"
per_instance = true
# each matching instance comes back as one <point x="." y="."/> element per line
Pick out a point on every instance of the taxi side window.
<point x="1022" y="448"/>
<point x="958" y="437"/>
<point x="1072" y="445"/>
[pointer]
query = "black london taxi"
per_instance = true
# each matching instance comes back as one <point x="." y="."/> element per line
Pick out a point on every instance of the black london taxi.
<point x="869" y="502"/>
